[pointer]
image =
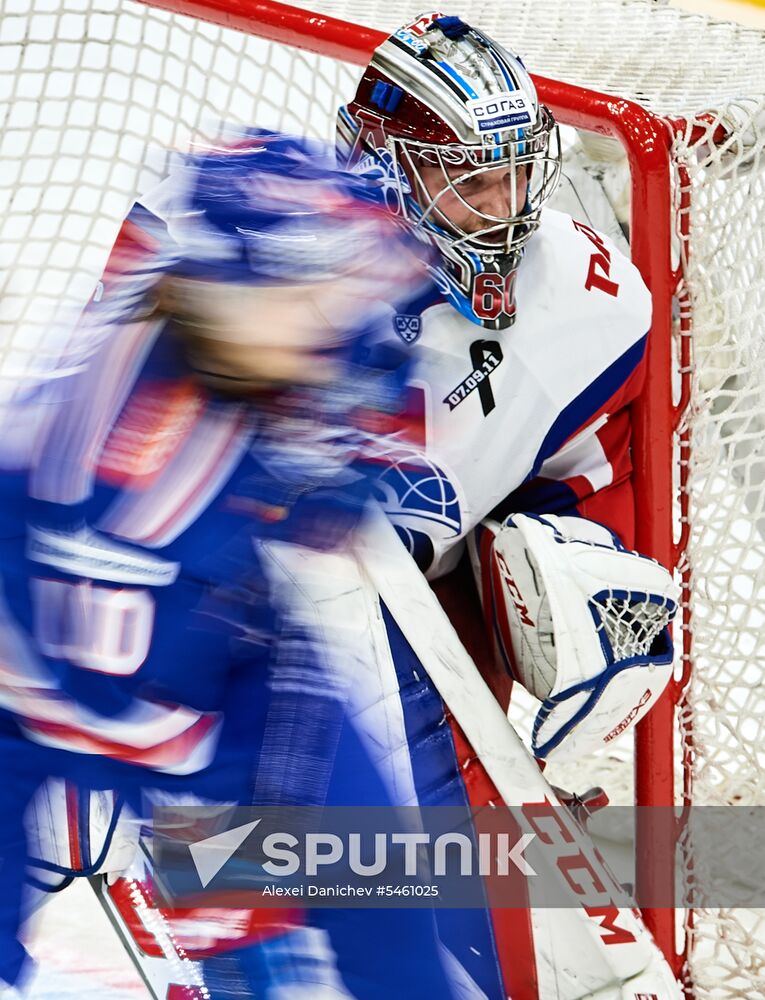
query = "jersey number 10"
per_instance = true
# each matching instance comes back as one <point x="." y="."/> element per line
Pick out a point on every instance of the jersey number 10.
<point x="97" y="628"/>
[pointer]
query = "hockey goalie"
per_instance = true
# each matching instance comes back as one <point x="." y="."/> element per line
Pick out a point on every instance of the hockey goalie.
<point x="511" y="457"/>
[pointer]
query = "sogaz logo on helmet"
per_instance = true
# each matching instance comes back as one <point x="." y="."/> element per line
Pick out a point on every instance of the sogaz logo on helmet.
<point x="511" y="109"/>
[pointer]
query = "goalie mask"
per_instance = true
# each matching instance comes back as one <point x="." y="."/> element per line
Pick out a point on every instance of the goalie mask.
<point x="448" y="123"/>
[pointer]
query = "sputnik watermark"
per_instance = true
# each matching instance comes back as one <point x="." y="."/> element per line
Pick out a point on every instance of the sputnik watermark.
<point x="537" y="855"/>
<point x="495" y="854"/>
<point x="419" y="856"/>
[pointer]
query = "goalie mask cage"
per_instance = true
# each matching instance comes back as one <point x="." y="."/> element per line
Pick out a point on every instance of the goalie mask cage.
<point x="96" y="91"/>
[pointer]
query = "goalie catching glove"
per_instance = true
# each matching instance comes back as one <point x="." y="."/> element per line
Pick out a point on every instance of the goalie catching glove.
<point x="582" y="623"/>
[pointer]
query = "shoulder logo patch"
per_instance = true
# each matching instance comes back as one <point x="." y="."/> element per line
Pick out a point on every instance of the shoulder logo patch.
<point x="407" y="327"/>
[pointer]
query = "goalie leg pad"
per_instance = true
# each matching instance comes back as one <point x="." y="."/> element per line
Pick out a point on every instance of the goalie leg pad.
<point x="584" y="626"/>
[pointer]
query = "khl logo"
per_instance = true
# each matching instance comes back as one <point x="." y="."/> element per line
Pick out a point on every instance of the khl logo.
<point x="408" y="328"/>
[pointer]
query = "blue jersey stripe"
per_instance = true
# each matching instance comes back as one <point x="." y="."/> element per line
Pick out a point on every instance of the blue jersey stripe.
<point x="588" y="402"/>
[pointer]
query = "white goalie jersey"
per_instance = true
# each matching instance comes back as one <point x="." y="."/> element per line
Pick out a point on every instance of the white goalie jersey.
<point x="539" y="407"/>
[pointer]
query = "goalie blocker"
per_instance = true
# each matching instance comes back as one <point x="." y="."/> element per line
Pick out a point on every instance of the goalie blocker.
<point x="581" y="622"/>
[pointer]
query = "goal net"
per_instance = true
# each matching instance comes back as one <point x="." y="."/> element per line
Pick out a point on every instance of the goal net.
<point x="97" y="94"/>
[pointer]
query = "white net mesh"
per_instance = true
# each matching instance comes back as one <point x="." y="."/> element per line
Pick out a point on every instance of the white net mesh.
<point x="631" y="623"/>
<point x="96" y="92"/>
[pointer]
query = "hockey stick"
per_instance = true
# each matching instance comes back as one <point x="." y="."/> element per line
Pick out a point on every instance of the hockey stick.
<point x="146" y="934"/>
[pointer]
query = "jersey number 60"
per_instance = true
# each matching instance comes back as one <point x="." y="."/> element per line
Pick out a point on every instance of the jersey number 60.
<point x="493" y="294"/>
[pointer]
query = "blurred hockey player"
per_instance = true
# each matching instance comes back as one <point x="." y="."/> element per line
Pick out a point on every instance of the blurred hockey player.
<point x="232" y="352"/>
